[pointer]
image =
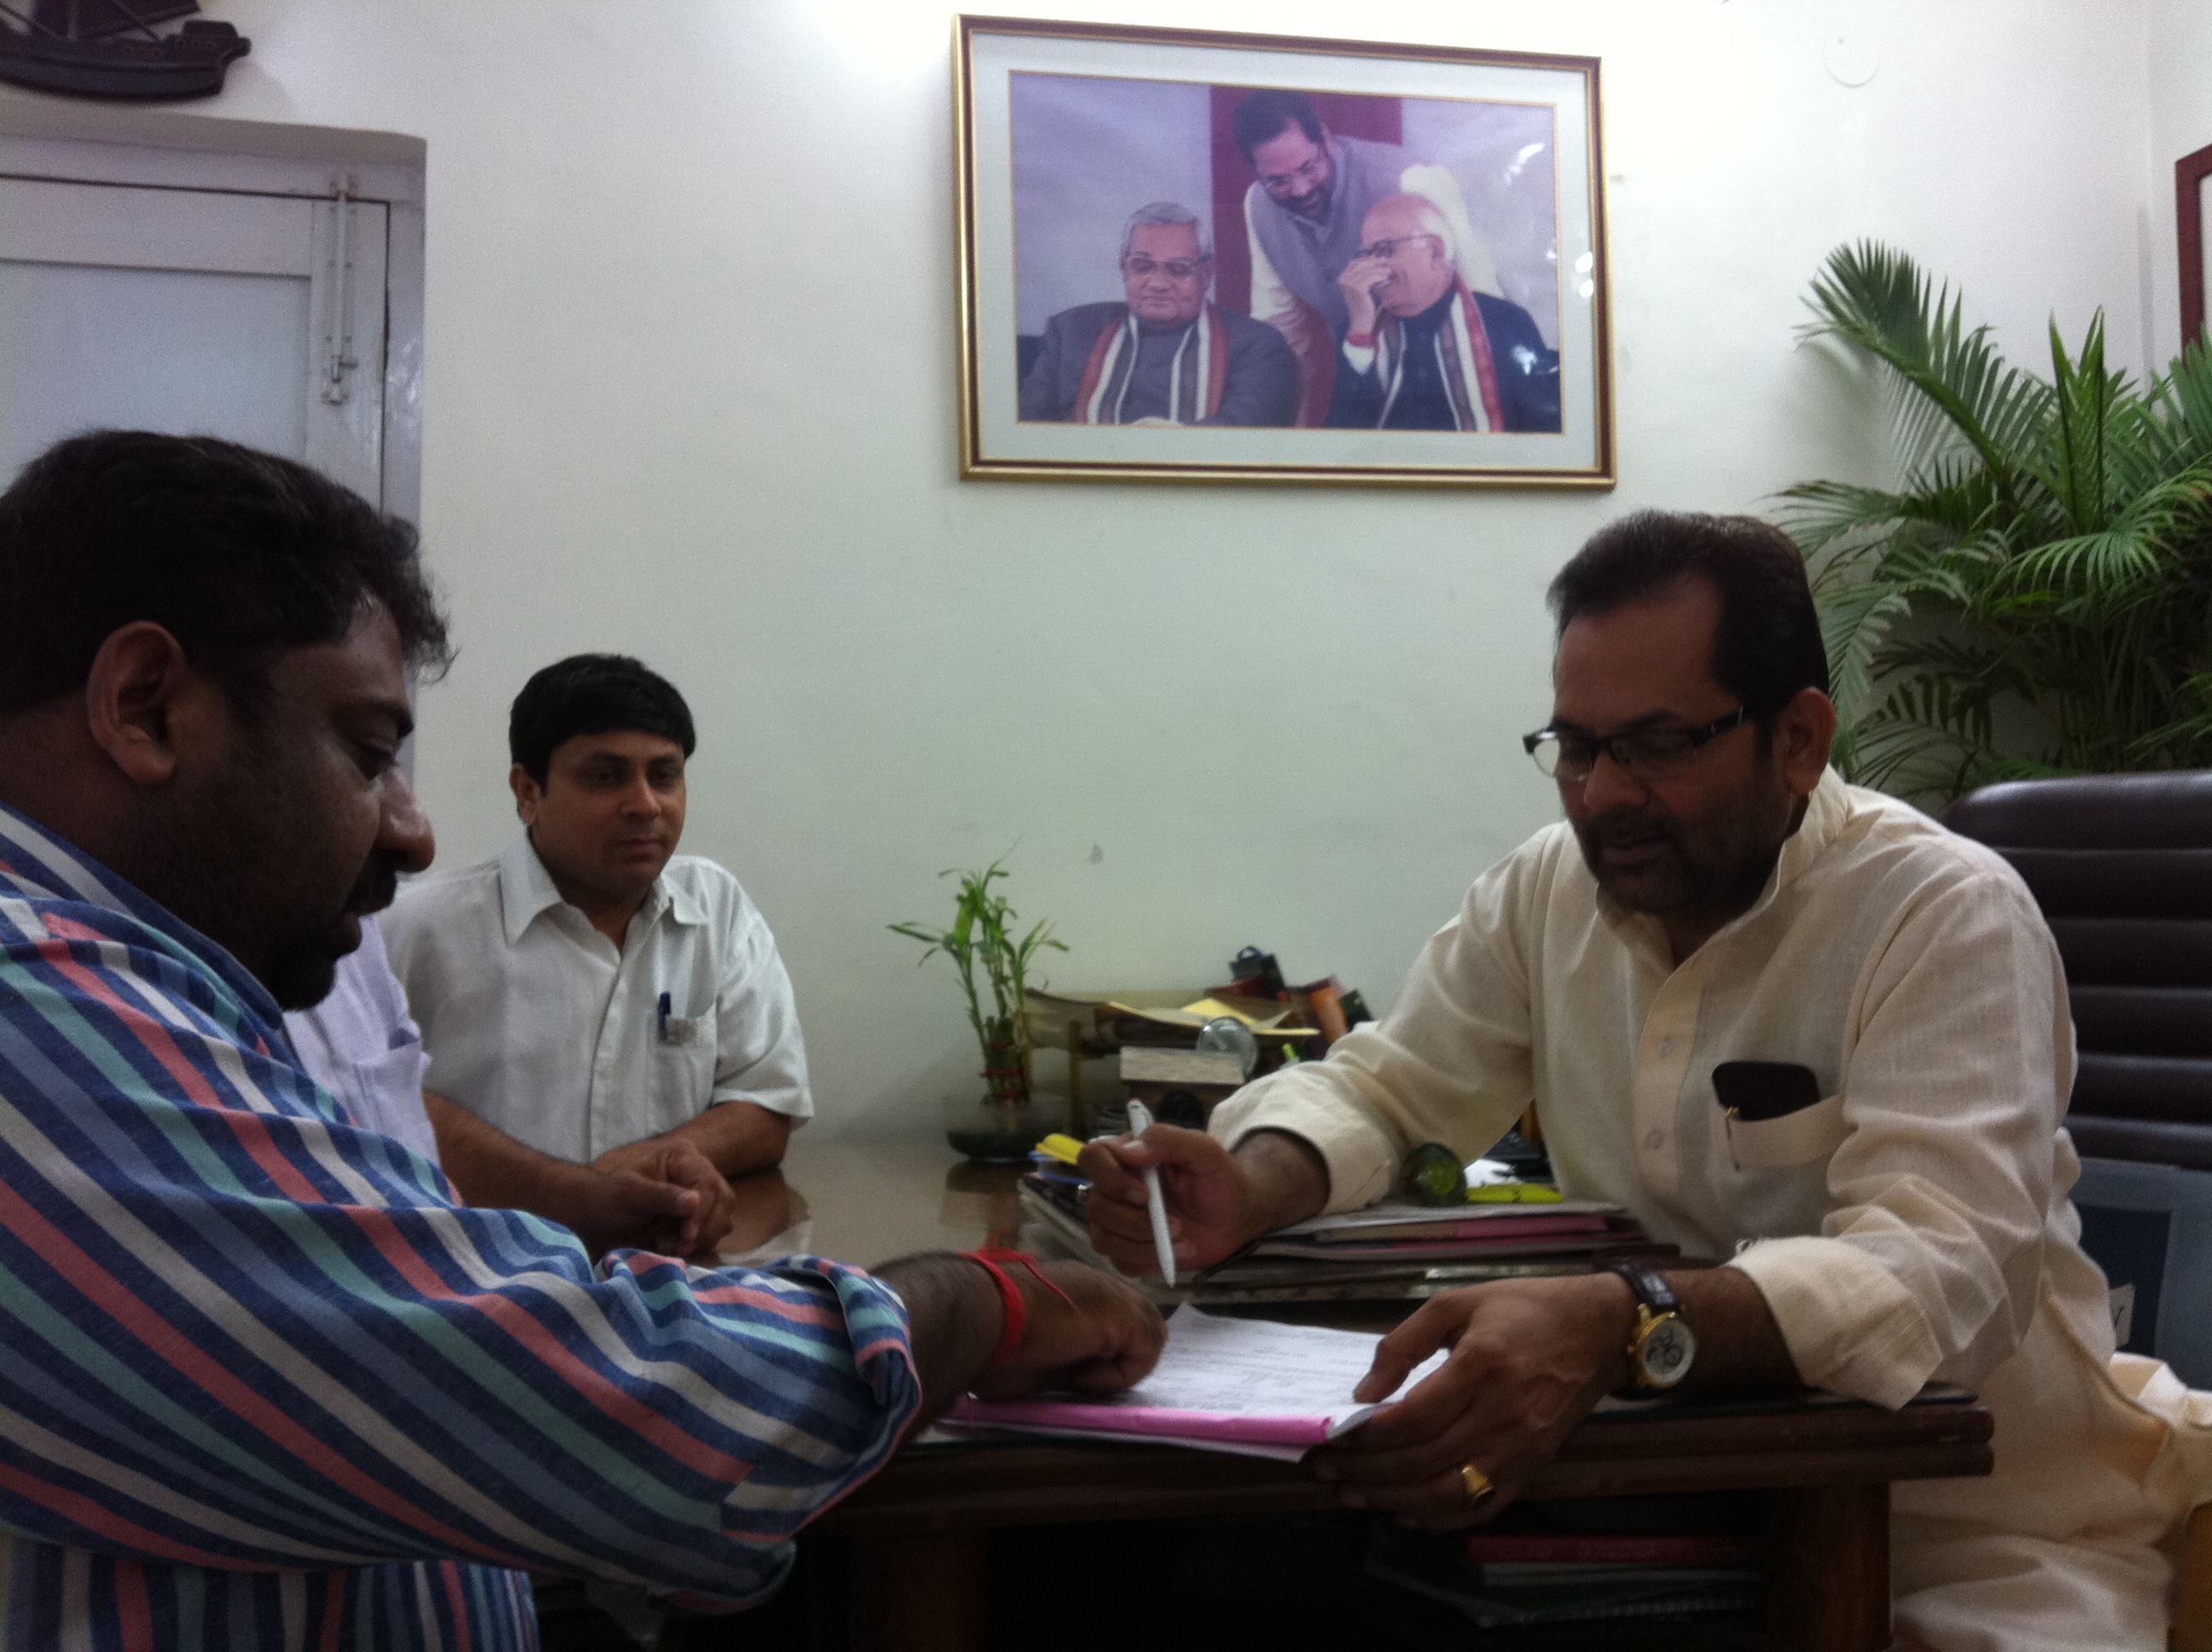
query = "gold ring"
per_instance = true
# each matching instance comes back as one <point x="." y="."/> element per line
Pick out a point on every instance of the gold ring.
<point x="1476" y="1482"/>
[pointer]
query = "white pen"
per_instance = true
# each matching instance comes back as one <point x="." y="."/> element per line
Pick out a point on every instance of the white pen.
<point x="1140" y="1122"/>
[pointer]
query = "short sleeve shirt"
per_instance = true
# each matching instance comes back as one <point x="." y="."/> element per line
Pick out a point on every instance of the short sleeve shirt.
<point x="536" y="1023"/>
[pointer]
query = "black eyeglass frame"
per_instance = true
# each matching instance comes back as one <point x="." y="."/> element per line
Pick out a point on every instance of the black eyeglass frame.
<point x="1608" y="744"/>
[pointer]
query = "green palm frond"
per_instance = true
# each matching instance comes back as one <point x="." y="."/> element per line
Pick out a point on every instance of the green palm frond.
<point x="1877" y="298"/>
<point x="2033" y="595"/>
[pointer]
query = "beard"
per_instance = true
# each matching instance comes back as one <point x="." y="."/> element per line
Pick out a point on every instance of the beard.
<point x="256" y="862"/>
<point x="1703" y="870"/>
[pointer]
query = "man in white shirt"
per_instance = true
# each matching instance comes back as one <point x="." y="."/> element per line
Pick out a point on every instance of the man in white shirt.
<point x="361" y="1045"/>
<point x="589" y="992"/>
<point x="1888" y="1180"/>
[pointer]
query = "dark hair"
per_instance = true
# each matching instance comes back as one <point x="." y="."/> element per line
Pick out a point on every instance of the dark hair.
<point x="1767" y="648"/>
<point x="238" y="554"/>
<point x="592" y="694"/>
<point x="1262" y="116"/>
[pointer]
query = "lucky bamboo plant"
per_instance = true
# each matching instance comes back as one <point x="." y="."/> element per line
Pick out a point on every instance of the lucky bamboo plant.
<point x="983" y="949"/>
<point x="2033" y="593"/>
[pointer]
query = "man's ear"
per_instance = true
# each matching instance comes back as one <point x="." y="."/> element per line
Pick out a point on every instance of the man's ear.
<point x="1804" y="736"/>
<point x="144" y="705"/>
<point x="528" y="794"/>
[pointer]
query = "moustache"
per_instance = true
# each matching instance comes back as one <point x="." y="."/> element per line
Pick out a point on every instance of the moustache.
<point x="1624" y="827"/>
<point x="377" y="886"/>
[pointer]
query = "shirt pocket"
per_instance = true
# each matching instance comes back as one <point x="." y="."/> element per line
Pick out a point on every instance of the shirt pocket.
<point x="686" y="1055"/>
<point x="1810" y="1134"/>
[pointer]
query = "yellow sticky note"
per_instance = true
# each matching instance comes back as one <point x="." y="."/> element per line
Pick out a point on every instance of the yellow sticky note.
<point x="1066" y="1149"/>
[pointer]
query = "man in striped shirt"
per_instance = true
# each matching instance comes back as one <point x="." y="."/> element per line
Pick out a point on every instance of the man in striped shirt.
<point x="263" y="1383"/>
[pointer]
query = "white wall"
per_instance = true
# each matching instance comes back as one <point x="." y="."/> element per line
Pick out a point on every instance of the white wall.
<point x="690" y="392"/>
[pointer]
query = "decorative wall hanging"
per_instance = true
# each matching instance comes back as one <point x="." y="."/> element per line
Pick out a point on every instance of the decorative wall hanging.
<point x="107" y="49"/>
<point x="1189" y="256"/>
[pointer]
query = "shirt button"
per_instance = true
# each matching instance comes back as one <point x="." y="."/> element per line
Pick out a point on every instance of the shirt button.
<point x="1666" y="1047"/>
<point x="1655" y="1140"/>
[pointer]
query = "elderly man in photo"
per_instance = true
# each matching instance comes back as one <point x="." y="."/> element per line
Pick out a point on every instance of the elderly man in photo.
<point x="1168" y="355"/>
<point x="1894" y="1212"/>
<point x="1422" y="352"/>
<point x="1306" y="215"/>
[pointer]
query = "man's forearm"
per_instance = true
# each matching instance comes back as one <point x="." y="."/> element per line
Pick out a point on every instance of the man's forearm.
<point x="1286" y="1175"/>
<point x="955" y="1318"/>
<point x="1740" y="1348"/>
<point x="489" y="1167"/>
<point x="739" y="1137"/>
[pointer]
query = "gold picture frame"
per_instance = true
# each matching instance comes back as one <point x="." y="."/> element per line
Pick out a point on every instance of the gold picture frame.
<point x="1082" y="149"/>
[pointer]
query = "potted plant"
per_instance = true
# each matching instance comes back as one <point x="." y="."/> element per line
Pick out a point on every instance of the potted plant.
<point x="1004" y="1125"/>
<point x="2033" y="596"/>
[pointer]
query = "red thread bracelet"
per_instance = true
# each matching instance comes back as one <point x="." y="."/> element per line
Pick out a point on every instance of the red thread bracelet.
<point x="1010" y="1293"/>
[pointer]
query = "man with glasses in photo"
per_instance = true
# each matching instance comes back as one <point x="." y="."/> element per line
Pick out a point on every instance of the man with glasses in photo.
<point x="1425" y="353"/>
<point x="1788" y="1023"/>
<point x="1167" y="355"/>
<point x="1306" y="215"/>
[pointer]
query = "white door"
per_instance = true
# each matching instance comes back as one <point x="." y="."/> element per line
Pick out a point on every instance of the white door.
<point x="254" y="315"/>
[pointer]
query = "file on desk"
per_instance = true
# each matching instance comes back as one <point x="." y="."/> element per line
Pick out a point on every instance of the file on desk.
<point x="1248" y="1387"/>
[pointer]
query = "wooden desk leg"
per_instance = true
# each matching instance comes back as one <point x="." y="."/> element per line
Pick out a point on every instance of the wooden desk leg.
<point x="1827" y="1586"/>
<point x="920" y="1591"/>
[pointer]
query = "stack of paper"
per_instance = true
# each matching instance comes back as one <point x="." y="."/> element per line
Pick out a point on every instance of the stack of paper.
<point x="1388" y="1252"/>
<point x="1249" y="1386"/>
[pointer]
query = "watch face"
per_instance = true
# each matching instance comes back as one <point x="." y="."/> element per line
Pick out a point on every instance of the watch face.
<point x="1666" y="1353"/>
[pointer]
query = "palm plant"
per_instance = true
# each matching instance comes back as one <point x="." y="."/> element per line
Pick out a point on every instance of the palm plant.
<point x="2033" y="597"/>
<point x="983" y="937"/>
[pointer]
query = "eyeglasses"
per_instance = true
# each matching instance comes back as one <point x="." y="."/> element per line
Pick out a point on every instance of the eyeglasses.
<point x="1647" y="753"/>
<point x="1181" y="269"/>
<point x="1312" y="172"/>
<point x="1390" y="249"/>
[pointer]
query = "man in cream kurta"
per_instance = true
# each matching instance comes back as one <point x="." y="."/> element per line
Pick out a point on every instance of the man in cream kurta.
<point x="1716" y="894"/>
<point x="1911" y="1227"/>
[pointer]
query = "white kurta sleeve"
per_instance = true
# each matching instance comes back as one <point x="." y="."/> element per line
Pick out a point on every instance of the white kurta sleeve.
<point x="1449" y="1063"/>
<point x="1927" y="1260"/>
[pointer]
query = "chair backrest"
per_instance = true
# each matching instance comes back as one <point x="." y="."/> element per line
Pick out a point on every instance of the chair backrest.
<point x="2122" y="866"/>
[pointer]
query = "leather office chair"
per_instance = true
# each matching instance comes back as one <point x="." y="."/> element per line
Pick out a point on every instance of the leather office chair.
<point x="2122" y="866"/>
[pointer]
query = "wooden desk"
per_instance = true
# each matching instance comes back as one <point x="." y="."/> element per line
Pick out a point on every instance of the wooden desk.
<point x="919" y="1530"/>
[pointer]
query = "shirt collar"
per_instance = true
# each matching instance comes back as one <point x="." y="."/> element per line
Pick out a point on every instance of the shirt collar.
<point x="1826" y="811"/>
<point x="526" y="889"/>
<point x="40" y="865"/>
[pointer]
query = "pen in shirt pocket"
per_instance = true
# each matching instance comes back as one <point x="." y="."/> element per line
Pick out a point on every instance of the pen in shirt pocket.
<point x="664" y="1008"/>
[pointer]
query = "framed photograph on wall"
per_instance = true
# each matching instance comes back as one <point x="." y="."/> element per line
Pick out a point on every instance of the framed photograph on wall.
<point x="2192" y="204"/>
<point x="1202" y="256"/>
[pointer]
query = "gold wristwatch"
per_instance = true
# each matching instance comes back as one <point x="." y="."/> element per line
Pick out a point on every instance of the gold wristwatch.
<point x="1662" y="1346"/>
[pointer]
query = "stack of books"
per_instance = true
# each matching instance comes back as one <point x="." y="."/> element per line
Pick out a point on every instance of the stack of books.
<point x="1388" y="1252"/>
<point x="1504" y="1578"/>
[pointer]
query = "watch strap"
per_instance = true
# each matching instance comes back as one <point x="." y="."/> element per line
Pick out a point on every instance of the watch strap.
<point x="1650" y="1286"/>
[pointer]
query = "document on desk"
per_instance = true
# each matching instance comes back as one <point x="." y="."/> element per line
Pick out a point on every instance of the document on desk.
<point x="1250" y="1387"/>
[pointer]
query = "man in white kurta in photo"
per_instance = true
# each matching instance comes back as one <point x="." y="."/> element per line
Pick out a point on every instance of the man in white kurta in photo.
<point x="589" y="992"/>
<point x="1717" y="894"/>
